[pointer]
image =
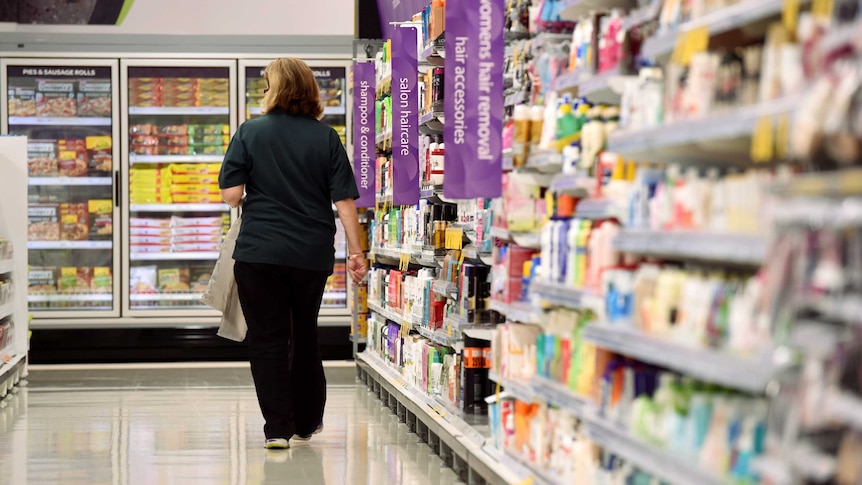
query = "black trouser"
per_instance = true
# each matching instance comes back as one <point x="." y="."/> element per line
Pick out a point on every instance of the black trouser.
<point x="281" y="305"/>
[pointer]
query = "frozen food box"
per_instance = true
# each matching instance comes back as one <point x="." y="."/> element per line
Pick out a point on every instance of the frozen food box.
<point x="150" y="248"/>
<point x="195" y="247"/>
<point x="74" y="221"/>
<point x="143" y="129"/>
<point x="209" y="190"/>
<point x="198" y="139"/>
<point x="150" y="222"/>
<point x="43" y="222"/>
<point x="42" y="158"/>
<point x="74" y="279"/>
<point x="180" y="103"/>
<point x="174" y="129"/>
<point x="180" y="150"/>
<point x="196" y="169"/>
<point x="197" y="239"/>
<point x="200" y="279"/>
<point x="146" y="83"/>
<point x="206" y="149"/>
<point x="103" y="280"/>
<point x="94" y="98"/>
<point x="143" y="279"/>
<point x="173" y="279"/>
<point x="150" y="231"/>
<point x="99" y="155"/>
<point x="196" y="179"/>
<point x="150" y="240"/>
<point x="151" y="199"/>
<point x="22" y="101"/>
<point x="144" y="149"/>
<point x="101" y="214"/>
<point x="147" y="140"/>
<point x="180" y="222"/>
<point x="201" y="130"/>
<point x="72" y="158"/>
<point x="197" y="231"/>
<point x="56" y="98"/>
<point x="42" y="279"/>
<point x="196" y="198"/>
<point x="174" y="140"/>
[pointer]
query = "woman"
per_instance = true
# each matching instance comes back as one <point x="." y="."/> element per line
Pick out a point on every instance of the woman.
<point x="291" y="168"/>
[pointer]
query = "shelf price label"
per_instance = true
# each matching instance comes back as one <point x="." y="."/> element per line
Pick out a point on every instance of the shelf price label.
<point x="474" y="100"/>
<point x="364" y="135"/>
<point x="405" y="117"/>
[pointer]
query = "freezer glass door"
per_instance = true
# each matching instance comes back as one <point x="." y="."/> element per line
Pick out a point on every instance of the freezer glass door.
<point x="179" y="126"/>
<point x="332" y="93"/>
<point x="67" y="112"/>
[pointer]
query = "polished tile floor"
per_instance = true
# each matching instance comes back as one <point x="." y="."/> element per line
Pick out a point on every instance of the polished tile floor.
<point x="196" y="425"/>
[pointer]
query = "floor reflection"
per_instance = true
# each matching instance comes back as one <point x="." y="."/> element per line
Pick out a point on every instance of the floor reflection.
<point x="187" y="433"/>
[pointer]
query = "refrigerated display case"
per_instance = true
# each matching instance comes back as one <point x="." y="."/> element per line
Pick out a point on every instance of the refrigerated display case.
<point x="332" y="79"/>
<point x="67" y="109"/>
<point x="179" y="116"/>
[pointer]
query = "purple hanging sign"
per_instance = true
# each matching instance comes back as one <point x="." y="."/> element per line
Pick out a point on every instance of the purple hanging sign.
<point x="474" y="98"/>
<point x="405" y="117"/>
<point x="363" y="132"/>
<point x="392" y="11"/>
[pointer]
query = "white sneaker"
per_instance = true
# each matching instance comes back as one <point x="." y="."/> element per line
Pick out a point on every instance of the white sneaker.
<point x="308" y="437"/>
<point x="276" y="444"/>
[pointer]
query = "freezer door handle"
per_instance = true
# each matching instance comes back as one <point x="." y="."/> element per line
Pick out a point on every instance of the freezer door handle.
<point x="116" y="188"/>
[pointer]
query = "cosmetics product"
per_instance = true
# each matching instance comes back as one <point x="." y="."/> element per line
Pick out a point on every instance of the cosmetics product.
<point x="521" y="135"/>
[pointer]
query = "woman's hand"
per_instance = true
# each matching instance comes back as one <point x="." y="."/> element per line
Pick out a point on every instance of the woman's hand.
<point x="356" y="267"/>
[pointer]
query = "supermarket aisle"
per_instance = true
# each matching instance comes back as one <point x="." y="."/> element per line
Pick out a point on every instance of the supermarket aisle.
<point x="196" y="425"/>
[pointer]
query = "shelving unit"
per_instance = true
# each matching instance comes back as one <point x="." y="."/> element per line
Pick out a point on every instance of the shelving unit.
<point x="459" y="444"/>
<point x="74" y="297"/>
<point x="14" y="265"/>
<point x="749" y="373"/>
<point x="133" y="158"/>
<point x="167" y="297"/>
<point x="722" y="138"/>
<point x="204" y="255"/>
<point x="689" y="245"/>
<point x="6" y="309"/>
<point x="444" y="288"/>
<point x="175" y="111"/>
<point x="574" y="9"/>
<point x="664" y="465"/>
<point x="602" y="87"/>
<point x="49" y="121"/>
<point x="392" y="315"/>
<point x="741" y="14"/>
<point x="60" y="181"/>
<point x="69" y="244"/>
<point x="179" y="208"/>
<point x="648" y="274"/>
<point x="564" y="296"/>
<point x="516" y="311"/>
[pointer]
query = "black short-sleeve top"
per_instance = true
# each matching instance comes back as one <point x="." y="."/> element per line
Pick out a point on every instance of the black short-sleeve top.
<point x="293" y="168"/>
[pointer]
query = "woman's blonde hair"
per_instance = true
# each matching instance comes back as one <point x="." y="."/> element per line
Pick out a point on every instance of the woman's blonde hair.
<point x="292" y="87"/>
